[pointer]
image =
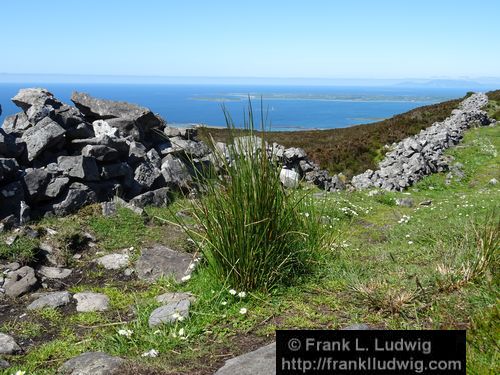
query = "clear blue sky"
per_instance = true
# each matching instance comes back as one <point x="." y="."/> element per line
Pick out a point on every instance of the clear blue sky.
<point x="272" y="38"/>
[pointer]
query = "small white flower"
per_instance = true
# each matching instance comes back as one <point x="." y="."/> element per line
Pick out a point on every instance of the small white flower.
<point x="306" y="214"/>
<point x="243" y="310"/>
<point x="151" y="353"/>
<point x="232" y="292"/>
<point x="407" y="236"/>
<point x="223" y="303"/>
<point x="157" y="332"/>
<point x="181" y="332"/>
<point x="186" y="278"/>
<point x="242" y="294"/>
<point x="410" y="242"/>
<point x="20" y="372"/>
<point x="191" y="266"/>
<point x="125" y="332"/>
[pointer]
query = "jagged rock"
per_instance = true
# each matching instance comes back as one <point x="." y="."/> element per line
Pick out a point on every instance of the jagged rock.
<point x="53" y="300"/>
<point x="294" y="153"/>
<point x="130" y="120"/>
<point x="9" y="169"/>
<point x="170" y="313"/>
<point x="259" y="362"/>
<point x="92" y="363"/>
<point x="42" y="136"/>
<point x="8" y="147"/>
<point x="16" y="123"/>
<point x="159" y="261"/>
<point x="8" y="345"/>
<point x="175" y="172"/>
<point x="100" y="153"/>
<point x="79" y="166"/>
<point x="146" y="175"/>
<point x="289" y="178"/>
<point x="26" y="98"/>
<point x="4" y="364"/>
<point x="89" y="301"/>
<point x="113" y="261"/>
<point x="20" y="282"/>
<point x="101" y="128"/>
<point x="54" y="272"/>
<point x="158" y="198"/>
<point x="115" y="170"/>
<point x="77" y="196"/>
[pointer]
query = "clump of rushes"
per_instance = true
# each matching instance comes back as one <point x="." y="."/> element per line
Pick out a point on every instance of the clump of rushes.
<point x="254" y="233"/>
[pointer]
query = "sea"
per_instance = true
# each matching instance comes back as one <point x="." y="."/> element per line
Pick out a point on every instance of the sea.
<point x="283" y="108"/>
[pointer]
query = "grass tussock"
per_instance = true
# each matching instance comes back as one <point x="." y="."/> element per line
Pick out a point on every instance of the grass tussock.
<point x="255" y="234"/>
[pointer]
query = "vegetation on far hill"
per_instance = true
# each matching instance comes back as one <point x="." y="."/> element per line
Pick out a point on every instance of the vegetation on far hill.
<point x="357" y="148"/>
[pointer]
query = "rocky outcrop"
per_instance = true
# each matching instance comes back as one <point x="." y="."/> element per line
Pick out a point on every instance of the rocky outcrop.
<point x="420" y="155"/>
<point x="56" y="158"/>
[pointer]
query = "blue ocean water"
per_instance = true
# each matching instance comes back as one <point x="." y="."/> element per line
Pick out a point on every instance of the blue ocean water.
<point x="287" y="107"/>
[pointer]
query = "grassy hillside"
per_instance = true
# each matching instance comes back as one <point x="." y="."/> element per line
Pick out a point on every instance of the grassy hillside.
<point x="353" y="150"/>
<point x="423" y="267"/>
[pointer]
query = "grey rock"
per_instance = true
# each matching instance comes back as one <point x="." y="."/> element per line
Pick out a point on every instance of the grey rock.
<point x="92" y="363"/>
<point x="289" y="178"/>
<point x="79" y="166"/>
<point x="20" y="282"/>
<point x="77" y="196"/>
<point x="8" y="147"/>
<point x="108" y="209"/>
<point x="37" y="112"/>
<point x="175" y="172"/>
<point x="357" y="327"/>
<point x="405" y="202"/>
<point x="4" y="364"/>
<point x="81" y="131"/>
<point x="11" y="196"/>
<point x="259" y="362"/>
<point x="8" y="345"/>
<point x="54" y="272"/>
<point x="158" y="198"/>
<point x="426" y="202"/>
<point x="35" y="182"/>
<point x="146" y="174"/>
<point x="113" y="261"/>
<point x="167" y="314"/>
<point x="70" y="118"/>
<point x="16" y="123"/>
<point x="42" y="136"/>
<point x="102" y="127"/>
<point x="115" y="170"/>
<point x="9" y="169"/>
<point x="100" y="152"/>
<point x="26" y="98"/>
<point x="294" y="153"/>
<point x="53" y="300"/>
<point x="55" y="187"/>
<point x="88" y="301"/>
<point x="159" y="261"/>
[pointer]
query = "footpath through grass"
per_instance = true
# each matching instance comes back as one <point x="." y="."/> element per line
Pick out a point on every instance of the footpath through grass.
<point x="420" y="267"/>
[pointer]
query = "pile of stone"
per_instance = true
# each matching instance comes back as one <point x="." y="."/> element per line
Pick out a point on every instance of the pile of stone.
<point x="56" y="158"/>
<point x="420" y="155"/>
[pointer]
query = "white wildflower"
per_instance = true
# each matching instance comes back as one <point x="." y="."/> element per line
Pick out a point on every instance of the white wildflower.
<point x="243" y="310"/>
<point x="151" y="353"/>
<point x="223" y="303"/>
<point x="186" y="278"/>
<point x="232" y="292"/>
<point x="181" y="332"/>
<point x="242" y="294"/>
<point x="125" y="332"/>
<point x="410" y="242"/>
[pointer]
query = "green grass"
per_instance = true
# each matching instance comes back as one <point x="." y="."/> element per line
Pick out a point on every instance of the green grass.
<point x="373" y="267"/>
<point x="253" y="235"/>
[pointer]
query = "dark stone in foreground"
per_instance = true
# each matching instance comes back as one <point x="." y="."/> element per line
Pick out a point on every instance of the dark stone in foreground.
<point x="92" y="363"/>
<point x="159" y="261"/>
<point x="259" y="362"/>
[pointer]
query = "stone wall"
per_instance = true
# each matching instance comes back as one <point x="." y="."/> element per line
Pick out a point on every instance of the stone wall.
<point x="56" y="158"/>
<point x="420" y="155"/>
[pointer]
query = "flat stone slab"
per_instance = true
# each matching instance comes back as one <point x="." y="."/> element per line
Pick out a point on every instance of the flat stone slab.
<point x="20" y="281"/>
<point x="259" y="362"/>
<point x="159" y="261"/>
<point x="113" y="261"/>
<point x="169" y="313"/>
<point x="8" y="345"/>
<point x="92" y="363"/>
<point x="53" y="300"/>
<point x="89" y="301"/>
<point x="54" y="272"/>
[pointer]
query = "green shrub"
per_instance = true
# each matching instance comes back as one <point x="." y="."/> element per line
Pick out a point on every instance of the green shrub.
<point x="254" y="232"/>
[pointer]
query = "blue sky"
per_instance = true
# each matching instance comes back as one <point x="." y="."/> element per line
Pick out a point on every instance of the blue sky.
<point x="273" y="38"/>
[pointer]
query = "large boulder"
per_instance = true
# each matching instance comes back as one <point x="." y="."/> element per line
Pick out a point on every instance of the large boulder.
<point x="80" y="166"/>
<point x="16" y="123"/>
<point x="20" y="282"/>
<point x="160" y="261"/>
<point x="42" y="136"/>
<point x="92" y="363"/>
<point x="131" y="120"/>
<point x="27" y="98"/>
<point x="77" y="196"/>
<point x="259" y="362"/>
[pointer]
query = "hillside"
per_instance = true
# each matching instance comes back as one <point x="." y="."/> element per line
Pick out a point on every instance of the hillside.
<point x="426" y="258"/>
<point x="358" y="148"/>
